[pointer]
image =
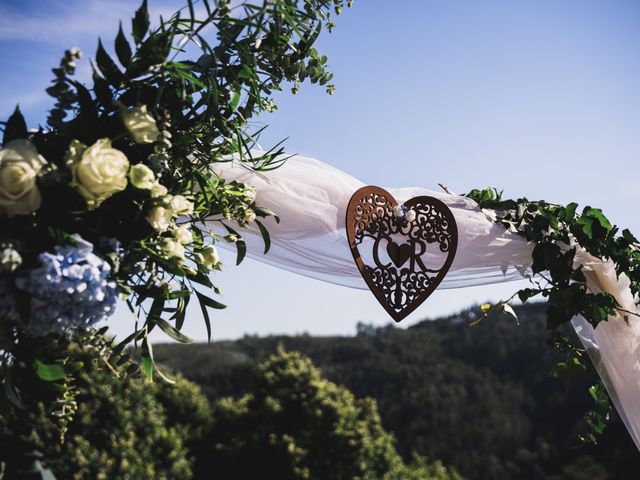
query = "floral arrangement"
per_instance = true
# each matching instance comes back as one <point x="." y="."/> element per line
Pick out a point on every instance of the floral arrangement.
<point x="116" y="196"/>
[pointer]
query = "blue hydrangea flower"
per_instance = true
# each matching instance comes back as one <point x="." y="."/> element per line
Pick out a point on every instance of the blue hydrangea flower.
<point x="70" y="289"/>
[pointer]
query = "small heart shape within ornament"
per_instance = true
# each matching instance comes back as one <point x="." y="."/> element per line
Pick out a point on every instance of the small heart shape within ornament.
<point x="399" y="254"/>
<point x="404" y="283"/>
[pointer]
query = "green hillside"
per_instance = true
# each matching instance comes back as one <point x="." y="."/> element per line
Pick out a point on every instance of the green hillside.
<point x="477" y="398"/>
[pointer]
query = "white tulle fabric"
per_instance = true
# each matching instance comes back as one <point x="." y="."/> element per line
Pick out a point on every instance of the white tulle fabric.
<point x="311" y="198"/>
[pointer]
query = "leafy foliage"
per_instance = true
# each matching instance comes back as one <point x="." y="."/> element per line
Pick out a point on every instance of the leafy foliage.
<point x="478" y="398"/>
<point x="557" y="233"/>
<point x="294" y="424"/>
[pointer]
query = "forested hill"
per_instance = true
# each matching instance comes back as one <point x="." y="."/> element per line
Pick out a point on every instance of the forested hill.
<point x="478" y="398"/>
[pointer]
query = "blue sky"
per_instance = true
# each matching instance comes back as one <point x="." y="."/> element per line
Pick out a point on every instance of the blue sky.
<point x="538" y="98"/>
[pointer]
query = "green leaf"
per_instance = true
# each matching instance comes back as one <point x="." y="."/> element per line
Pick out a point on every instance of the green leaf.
<point x="241" y="245"/>
<point x="16" y="127"/>
<point x="10" y="390"/>
<point x="527" y="293"/>
<point x="50" y="372"/>
<point x="235" y="100"/>
<point x="123" y="49"/>
<point x="570" y="372"/>
<point x="170" y="330"/>
<point x="107" y="66"/>
<point x="205" y="315"/>
<point x="265" y="236"/>
<point x="140" y="23"/>
<point x="147" y="358"/>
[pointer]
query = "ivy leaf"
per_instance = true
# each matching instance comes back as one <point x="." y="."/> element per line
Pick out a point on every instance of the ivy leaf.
<point x="140" y="22"/>
<point x="527" y="293"/>
<point x="123" y="49"/>
<point x="49" y="372"/>
<point x="569" y="372"/>
<point x="16" y="127"/>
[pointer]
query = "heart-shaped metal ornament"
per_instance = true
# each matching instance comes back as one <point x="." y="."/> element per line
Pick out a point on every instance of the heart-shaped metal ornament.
<point x="402" y="256"/>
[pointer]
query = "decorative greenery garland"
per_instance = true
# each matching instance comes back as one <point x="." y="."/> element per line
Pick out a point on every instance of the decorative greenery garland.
<point x="556" y="232"/>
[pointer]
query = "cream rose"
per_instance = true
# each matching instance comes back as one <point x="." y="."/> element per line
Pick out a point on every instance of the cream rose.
<point x="99" y="171"/>
<point x="20" y="164"/>
<point x="158" y="190"/>
<point x="183" y="235"/>
<point x="141" y="125"/>
<point x="173" y="249"/>
<point x="142" y="177"/>
<point x="180" y="205"/>
<point x="208" y="256"/>
<point x="160" y="218"/>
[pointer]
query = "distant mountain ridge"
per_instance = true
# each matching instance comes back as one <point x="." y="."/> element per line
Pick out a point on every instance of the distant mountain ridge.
<point x="478" y="398"/>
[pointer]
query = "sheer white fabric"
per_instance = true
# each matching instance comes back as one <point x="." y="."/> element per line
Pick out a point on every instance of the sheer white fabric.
<point x="311" y="198"/>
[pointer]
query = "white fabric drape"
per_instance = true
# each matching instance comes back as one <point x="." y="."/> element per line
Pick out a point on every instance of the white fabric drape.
<point x="311" y="198"/>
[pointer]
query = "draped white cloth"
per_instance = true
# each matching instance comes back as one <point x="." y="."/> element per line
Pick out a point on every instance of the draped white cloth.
<point x="311" y="199"/>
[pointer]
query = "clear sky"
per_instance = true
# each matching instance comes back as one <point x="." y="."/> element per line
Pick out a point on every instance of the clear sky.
<point x="539" y="98"/>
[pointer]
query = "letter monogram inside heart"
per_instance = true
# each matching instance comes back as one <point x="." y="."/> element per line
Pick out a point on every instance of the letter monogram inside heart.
<point x="402" y="251"/>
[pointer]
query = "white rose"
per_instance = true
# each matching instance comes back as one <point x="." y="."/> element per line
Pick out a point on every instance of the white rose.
<point x="140" y="124"/>
<point x="142" y="177"/>
<point x="160" y="218"/>
<point x="180" y="205"/>
<point x="20" y="164"/>
<point x="208" y="256"/>
<point x="398" y="211"/>
<point x="99" y="171"/>
<point x="410" y="216"/>
<point x="183" y="235"/>
<point x="172" y="249"/>
<point x="158" y="190"/>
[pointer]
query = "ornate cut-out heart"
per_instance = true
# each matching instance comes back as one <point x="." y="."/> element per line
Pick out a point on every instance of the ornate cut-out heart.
<point x="404" y="282"/>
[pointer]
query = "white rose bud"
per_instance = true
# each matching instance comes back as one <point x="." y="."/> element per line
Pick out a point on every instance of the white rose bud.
<point x="208" y="256"/>
<point x="179" y="205"/>
<point x="398" y="212"/>
<point x="160" y="218"/>
<point x="249" y="216"/>
<point x="142" y="177"/>
<point x="250" y="194"/>
<point x="158" y="190"/>
<point x="183" y="235"/>
<point x="141" y="125"/>
<point x="10" y="260"/>
<point x="99" y="171"/>
<point x="20" y="164"/>
<point x="172" y="249"/>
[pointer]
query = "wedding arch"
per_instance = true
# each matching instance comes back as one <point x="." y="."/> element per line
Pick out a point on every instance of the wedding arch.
<point x="137" y="178"/>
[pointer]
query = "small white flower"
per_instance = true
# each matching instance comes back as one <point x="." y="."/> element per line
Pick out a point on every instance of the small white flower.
<point x="179" y="205"/>
<point x="172" y="249"/>
<point x="20" y="164"/>
<point x="99" y="171"/>
<point x="183" y="235"/>
<point x="250" y="194"/>
<point x="410" y="216"/>
<point x="249" y="216"/>
<point x="160" y="218"/>
<point x="398" y="212"/>
<point x="142" y="177"/>
<point x="208" y="257"/>
<point x="140" y="124"/>
<point x="158" y="190"/>
<point x="10" y="260"/>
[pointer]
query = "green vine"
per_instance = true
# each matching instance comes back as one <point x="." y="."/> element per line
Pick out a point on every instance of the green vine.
<point x="557" y="231"/>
